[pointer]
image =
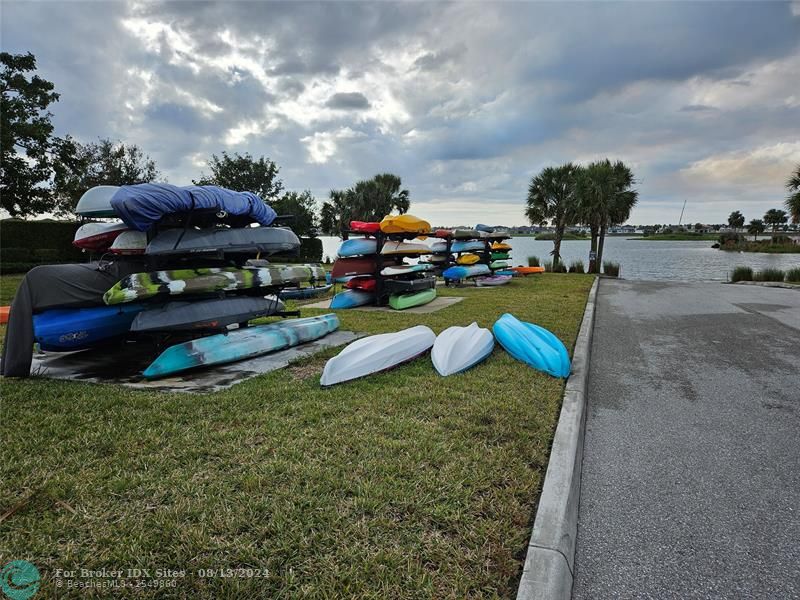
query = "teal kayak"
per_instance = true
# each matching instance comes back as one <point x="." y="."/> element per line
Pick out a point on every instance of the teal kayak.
<point x="240" y="344"/>
<point x="533" y="345"/>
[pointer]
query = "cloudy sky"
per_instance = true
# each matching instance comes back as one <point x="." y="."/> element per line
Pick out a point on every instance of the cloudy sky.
<point x="464" y="101"/>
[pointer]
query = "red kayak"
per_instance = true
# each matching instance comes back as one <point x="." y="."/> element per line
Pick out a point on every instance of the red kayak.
<point x="443" y="233"/>
<point x="360" y="265"/>
<point x="365" y="227"/>
<point x="365" y="284"/>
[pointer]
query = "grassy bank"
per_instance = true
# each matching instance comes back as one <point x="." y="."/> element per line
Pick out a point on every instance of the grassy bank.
<point x="403" y="484"/>
<point x="567" y="237"/>
<point x="763" y="246"/>
<point x="677" y="237"/>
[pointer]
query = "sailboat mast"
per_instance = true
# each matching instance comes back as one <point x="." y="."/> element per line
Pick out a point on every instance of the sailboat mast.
<point x="684" y="208"/>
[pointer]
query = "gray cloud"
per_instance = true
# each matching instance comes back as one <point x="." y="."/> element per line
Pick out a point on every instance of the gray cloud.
<point x="348" y="101"/>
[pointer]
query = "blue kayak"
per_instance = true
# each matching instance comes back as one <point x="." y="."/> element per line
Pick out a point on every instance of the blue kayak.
<point x="68" y="329"/>
<point x="351" y="299"/>
<point x="460" y="272"/>
<point x="533" y="345"/>
<point x="467" y="246"/>
<point x="358" y="247"/>
<point x="306" y="292"/>
<point x="240" y="344"/>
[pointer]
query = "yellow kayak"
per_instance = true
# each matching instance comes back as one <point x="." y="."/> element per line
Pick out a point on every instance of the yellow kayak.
<point x="500" y="246"/>
<point x="468" y="259"/>
<point x="404" y="224"/>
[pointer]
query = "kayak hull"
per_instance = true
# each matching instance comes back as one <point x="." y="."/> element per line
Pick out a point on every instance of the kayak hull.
<point x="98" y="237"/>
<point x="494" y="280"/>
<point x="240" y="344"/>
<point x="351" y="299"/>
<point x="460" y="272"/>
<point x="404" y="301"/>
<point x="302" y="293"/>
<point x="404" y="248"/>
<point x="69" y="329"/>
<point x="404" y="286"/>
<point x="266" y="240"/>
<point x="533" y="345"/>
<point x="377" y="353"/>
<point x="467" y="246"/>
<point x="204" y="314"/>
<point x="96" y="202"/>
<point x="358" y="247"/>
<point x="527" y="270"/>
<point x="365" y="226"/>
<point x="346" y="267"/>
<point x="129" y="242"/>
<point x="405" y="269"/>
<point x="459" y="348"/>
<point x="468" y="259"/>
<point x="404" y="224"/>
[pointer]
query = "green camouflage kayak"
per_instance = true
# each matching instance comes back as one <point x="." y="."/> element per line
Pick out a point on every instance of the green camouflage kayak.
<point x="140" y="286"/>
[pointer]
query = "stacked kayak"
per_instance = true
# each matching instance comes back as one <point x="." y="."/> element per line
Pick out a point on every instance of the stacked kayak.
<point x="460" y="272"/>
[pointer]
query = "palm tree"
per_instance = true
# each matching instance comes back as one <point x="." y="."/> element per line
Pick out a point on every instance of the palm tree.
<point x="755" y="227"/>
<point x="606" y="199"/>
<point x="736" y="220"/>
<point x="775" y="217"/>
<point x="551" y="197"/>
<point x="793" y="200"/>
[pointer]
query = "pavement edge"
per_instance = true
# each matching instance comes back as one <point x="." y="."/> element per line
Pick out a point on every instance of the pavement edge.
<point x="550" y="561"/>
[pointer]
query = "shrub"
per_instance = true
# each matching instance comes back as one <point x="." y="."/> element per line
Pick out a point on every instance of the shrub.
<point x="793" y="275"/>
<point x="310" y="251"/>
<point x="559" y="267"/>
<point x="781" y="239"/>
<point x="47" y="255"/>
<point x="742" y="274"/>
<point x="576" y="266"/>
<point x="611" y="268"/>
<point x="533" y="261"/>
<point x="770" y="275"/>
<point x="548" y="266"/>
<point x="729" y="238"/>
<point x="15" y="255"/>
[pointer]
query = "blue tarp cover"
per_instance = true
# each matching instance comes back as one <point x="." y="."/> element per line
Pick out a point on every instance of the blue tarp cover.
<point x="142" y="205"/>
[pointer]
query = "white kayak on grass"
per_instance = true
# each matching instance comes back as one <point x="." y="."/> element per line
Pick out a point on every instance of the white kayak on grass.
<point x="458" y="348"/>
<point x="377" y="353"/>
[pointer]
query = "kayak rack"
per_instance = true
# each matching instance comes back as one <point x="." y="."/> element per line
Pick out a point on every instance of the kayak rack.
<point x="485" y="255"/>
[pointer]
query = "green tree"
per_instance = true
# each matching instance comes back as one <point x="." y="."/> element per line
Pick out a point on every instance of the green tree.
<point x="368" y="200"/>
<point x="100" y="163"/>
<point x="30" y="154"/>
<point x="552" y="198"/>
<point x="793" y="199"/>
<point x="755" y="227"/>
<point x="243" y="173"/>
<point x="775" y="217"/>
<point x="736" y="220"/>
<point x="698" y="227"/>
<point x="303" y="207"/>
<point x="606" y="197"/>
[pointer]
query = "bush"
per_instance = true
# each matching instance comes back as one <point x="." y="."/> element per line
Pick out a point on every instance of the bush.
<point x="769" y="275"/>
<point x="551" y="268"/>
<point x="742" y="274"/>
<point x="729" y="238"/>
<point x="16" y="255"/>
<point x="611" y="268"/>
<point x="533" y="261"/>
<point x="310" y="251"/>
<point x="781" y="239"/>
<point x="35" y="235"/>
<point x="576" y="266"/>
<point x="47" y="255"/>
<point x="793" y="275"/>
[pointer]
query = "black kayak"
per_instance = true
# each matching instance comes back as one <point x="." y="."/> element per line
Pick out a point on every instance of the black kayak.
<point x="204" y="314"/>
<point x="219" y="241"/>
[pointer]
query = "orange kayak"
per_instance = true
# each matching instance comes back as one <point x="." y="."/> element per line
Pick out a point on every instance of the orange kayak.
<point x="528" y="270"/>
<point x="4" y="312"/>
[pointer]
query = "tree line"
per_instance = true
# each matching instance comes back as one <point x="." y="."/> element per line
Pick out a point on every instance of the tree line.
<point x="774" y="217"/>
<point x="598" y="195"/>
<point x="43" y="173"/>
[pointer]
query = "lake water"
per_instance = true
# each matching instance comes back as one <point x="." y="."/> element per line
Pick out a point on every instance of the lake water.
<point x="640" y="259"/>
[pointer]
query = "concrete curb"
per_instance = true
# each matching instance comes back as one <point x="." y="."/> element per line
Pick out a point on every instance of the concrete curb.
<point x="550" y="562"/>
<point x="776" y="284"/>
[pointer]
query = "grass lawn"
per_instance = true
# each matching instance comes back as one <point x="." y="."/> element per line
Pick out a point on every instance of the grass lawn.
<point x="400" y="485"/>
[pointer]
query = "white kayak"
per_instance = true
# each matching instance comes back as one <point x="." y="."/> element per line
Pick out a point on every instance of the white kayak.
<point x="405" y="248"/>
<point x="458" y="348"/>
<point x="405" y="269"/>
<point x="96" y="202"/>
<point x="377" y="353"/>
<point x="129" y="242"/>
<point x="97" y="236"/>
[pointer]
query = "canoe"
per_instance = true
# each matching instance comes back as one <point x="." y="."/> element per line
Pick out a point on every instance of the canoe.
<point x="494" y="280"/>
<point x="404" y="224"/>
<point x="223" y="240"/>
<point x="351" y="299"/>
<point x="404" y="301"/>
<point x="240" y="344"/>
<point x="466" y="234"/>
<point x="533" y="345"/>
<point x="129" y="243"/>
<point x="365" y="227"/>
<point x="96" y="202"/>
<point x="468" y="259"/>
<point x="405" y="248"/>
<point x="5" y="311"/>
<point x="457" y="349"/>
<point x="97" y="237"/>
<point x="358" y="247"/>
<point x="377" y="353"/>
<point x="498" y="264"/>
<point x="364" y="283"/>
<point x="500" y="246"/>
<point x="301" y="293"/>
<point x="460" y="272"/>
<point x="344" y="267"/>
<point x="484" y="228"/>
<point x="68" y="329"/>
<point x="404" y="286"/>
<point x="499" y="255"/>
<point x="527" y="270"/>
<point x="140" y="286"/>
<point x="201" y="315"/>
<point x="442" y="233"/>
<point x="468" y="246"/>
<point x="405" y="269"/>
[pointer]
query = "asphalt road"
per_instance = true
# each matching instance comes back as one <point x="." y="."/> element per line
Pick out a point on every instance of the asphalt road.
<point x="691" y="470"/>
